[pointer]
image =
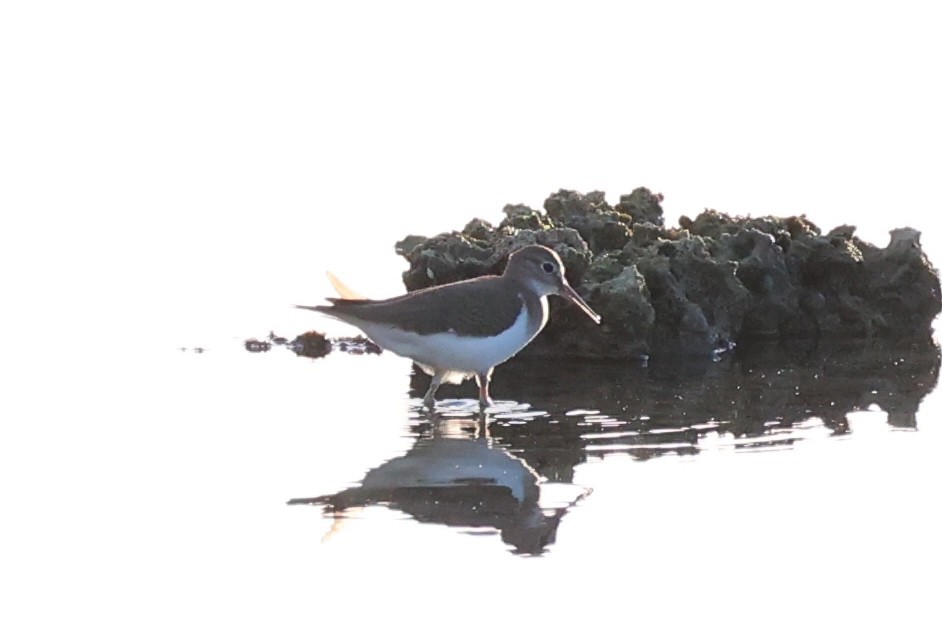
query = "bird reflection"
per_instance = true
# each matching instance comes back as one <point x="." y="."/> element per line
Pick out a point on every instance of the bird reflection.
<point x="458" y="479"/>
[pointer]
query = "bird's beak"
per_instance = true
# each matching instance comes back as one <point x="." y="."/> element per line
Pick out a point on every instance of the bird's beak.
<point x="566" y="291"/>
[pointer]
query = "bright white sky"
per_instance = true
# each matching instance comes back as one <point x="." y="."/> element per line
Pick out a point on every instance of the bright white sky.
<point x="188" y="151"/>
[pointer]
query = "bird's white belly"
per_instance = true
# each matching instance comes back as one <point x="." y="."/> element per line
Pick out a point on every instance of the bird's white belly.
<point x="447" y="351"/>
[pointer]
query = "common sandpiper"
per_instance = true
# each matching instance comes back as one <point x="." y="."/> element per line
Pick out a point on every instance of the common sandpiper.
<point x="464" y="329"/>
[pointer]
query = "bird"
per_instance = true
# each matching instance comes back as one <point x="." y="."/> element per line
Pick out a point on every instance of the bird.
<point x="464" y="329"/>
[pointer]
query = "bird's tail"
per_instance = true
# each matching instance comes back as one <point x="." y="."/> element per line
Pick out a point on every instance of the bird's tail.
<point x="345" y="292"/>
<point x="316" y="308"/>
<point x="343" y="289"/>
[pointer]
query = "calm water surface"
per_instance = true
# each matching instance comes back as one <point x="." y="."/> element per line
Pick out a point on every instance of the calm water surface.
<point x="171" y="487"/>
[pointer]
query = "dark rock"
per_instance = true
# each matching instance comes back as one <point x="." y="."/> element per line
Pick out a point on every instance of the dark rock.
<point x="408" y="243"/>
<point x="446" y="258"/>
<point x="522" y="217"/>
<point x="642" y="206"/>
<point x="763" y="271"/>
<point x="700" y="304"/>
<point x="256" y="346"/>
<point x="455" y="256"/>
<point x="601" y="226"/>
<point x="357" y="345"/>
<point x="625" y="301"/>
<point x="311" y="344"/>
<point x="903" y="287"/>
<point x="699" y="289"/>
<point x="478" y="229"/>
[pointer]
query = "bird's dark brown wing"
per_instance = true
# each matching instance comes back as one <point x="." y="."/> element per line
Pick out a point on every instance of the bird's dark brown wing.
<point x="477" y="307"/>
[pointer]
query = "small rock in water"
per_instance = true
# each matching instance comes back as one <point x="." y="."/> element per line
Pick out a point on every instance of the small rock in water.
<point x="357" y="345"/>
<point x="257" y="346"/>
<point x="311" y="344"/>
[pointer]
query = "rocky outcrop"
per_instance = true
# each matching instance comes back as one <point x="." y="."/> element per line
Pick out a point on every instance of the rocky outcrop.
<point x="697" y="289"/>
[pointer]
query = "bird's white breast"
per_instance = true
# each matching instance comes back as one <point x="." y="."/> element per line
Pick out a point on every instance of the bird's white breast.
<point x="460" y="355"/>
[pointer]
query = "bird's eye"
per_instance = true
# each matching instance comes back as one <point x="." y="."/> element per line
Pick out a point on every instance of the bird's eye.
<point x="548" y="267"/>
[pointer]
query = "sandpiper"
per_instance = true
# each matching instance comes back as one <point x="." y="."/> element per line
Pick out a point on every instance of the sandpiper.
<point x="464" y="329"/>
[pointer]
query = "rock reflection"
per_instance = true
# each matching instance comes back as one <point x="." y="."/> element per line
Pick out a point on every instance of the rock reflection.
<point x="766" y="396"/>
<point x="455" y="475"/>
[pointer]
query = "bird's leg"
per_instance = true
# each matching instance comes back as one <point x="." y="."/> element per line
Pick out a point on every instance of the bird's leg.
<point x="484" y="383"/>
<point x="481" y="431"/>
<point x="429" y="400"/>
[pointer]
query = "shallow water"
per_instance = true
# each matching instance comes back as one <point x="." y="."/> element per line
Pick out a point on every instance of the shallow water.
<point x="227" y="488"/>
<point x="489" y="472"/>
